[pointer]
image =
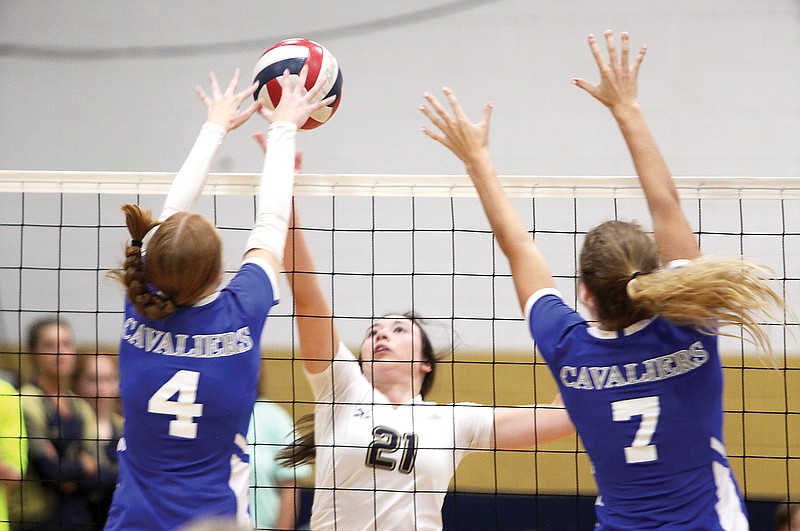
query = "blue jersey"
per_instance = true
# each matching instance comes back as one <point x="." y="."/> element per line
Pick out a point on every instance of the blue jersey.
<point x="647" y="404"/>
<point x="188" y="384"/>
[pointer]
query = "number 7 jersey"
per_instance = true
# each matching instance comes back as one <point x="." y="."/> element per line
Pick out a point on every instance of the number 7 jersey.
<point x="188" y="384"/>
<point x="647" y="404"/>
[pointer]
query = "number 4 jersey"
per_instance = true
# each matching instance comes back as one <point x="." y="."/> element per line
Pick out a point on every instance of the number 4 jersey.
<point x="384" y="466"/>
<point x="647" y="404"/>
<point x="188" y="384"/>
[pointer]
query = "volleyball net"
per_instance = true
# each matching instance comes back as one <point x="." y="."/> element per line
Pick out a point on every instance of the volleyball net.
<point x="392" y="243"/>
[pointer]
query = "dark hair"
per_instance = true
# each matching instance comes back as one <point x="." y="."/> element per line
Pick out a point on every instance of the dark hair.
<point x="30" y="372"/>
<point x="184" y="257"/>
<point x="82" y="365"/>
<point x="304" y="450"/>
<point x="35" y="330"/>
<point x="428" y="352"/>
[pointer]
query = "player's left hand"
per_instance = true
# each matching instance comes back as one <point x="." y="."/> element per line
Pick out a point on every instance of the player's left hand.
<point x="618" y="78"/>
<point x="223" y="107"/>
<point x="467" y="140"/>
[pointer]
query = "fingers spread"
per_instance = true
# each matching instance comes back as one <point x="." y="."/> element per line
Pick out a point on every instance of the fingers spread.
<point x="233" y="84"/>
<point x="249" y="91"/>
<point x="445" y="118"/>
<point x="457" y="110"/>
<point x="624" y="56"/>
<point x="435" y="120"/>
<point x="584" y="84"/>
<point x="318" y="86"/>
<point x="439" y="138"/>
<point x="202" y="95"/>
<point x="487" y="115"/>
<point x="212" y="79"/>
<point x="301" y="78"/>
<point x="598" y="57"/>
<point x="612" y="48"/>
<point x="252" y="109"/>
<point x="638" y="61"/>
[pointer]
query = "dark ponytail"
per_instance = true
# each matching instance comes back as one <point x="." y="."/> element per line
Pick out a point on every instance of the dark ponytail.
<point x="302" y="450"/>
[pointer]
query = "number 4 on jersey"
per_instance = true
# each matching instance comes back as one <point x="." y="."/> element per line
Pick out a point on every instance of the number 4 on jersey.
<point x="184" y="383"/>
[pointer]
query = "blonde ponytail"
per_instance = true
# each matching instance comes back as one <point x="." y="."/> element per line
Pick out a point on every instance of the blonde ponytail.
<point x="710" y="293"/>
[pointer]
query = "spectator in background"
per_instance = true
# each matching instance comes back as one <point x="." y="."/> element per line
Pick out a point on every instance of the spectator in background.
<point x="274" y="498"/>
<point x="62" y="461"/>
<point x="787" y="517"/>
<point x="13" y="447"/>
<point x="96" y="380"/>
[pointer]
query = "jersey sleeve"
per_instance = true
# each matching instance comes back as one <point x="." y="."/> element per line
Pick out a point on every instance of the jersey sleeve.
<point x="255" y="287"/>
<point x="473" y="426"/>
<point x="549" y="320"/>
<point x="339" y="380"/>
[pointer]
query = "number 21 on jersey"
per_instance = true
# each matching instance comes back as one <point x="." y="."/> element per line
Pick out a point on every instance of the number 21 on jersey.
<point x="184" y="409"/>
<point x="388" y="441"/>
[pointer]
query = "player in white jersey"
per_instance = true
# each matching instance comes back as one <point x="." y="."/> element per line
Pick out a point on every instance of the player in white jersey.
<point x="190" y="351"/>
<point x="642" y="381"/>
<point x="385" y="456"/>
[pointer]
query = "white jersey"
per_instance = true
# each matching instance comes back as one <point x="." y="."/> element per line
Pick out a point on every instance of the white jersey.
<point x="384" y="467"/>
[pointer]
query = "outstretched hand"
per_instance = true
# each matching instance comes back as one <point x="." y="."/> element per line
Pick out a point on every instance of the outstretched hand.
<point x="223" y="107"/>
<point x="296" y="103"/>
<point x="618" y="82"/>
<point x="468" y="141"/>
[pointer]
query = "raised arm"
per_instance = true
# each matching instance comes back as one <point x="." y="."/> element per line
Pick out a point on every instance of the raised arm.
<point x="518" y="428"/>
<point x="617" y="91"/>
<point x="268" y="237"/>
<point x="223" y="116"/>
<point x="470" y="143"/>
<point x="318" y="337"/>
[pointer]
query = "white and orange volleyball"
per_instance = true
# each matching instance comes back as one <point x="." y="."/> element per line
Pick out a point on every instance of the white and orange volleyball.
<point x="292" y="54"/>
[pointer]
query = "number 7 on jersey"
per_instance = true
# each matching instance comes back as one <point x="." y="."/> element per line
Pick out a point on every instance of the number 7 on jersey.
<point x="649" y="408"/>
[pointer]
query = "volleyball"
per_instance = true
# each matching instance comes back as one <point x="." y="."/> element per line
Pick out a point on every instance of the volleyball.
<point x="292" y="54"/>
